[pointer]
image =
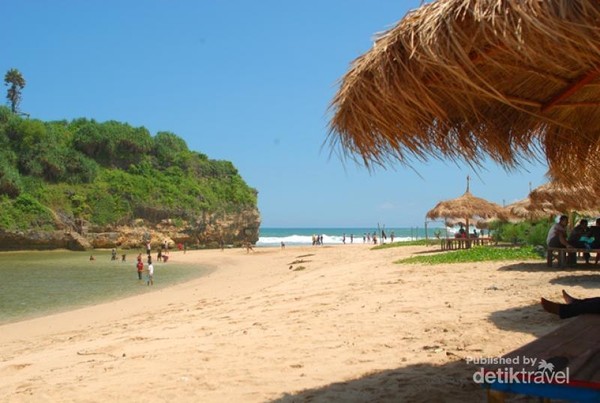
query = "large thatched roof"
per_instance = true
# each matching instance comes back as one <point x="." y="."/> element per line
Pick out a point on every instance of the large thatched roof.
<point x="466" y="79"/>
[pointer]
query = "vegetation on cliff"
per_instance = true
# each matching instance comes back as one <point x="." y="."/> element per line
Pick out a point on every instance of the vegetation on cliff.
<point x="107" y="174"/>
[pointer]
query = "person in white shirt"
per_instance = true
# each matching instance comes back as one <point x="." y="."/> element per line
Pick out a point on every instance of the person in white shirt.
<point x="557" y="236"/>
<point x="150" y="274"/>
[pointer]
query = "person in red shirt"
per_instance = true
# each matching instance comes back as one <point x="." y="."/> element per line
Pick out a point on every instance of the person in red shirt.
<point x="140" y="268"/>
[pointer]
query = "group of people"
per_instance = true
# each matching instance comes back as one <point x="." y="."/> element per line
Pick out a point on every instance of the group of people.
<point x="368" y="238"/>
<point x="149" y="269"/>
<point x="462" y="233"/>
<point x="582" y="236"/>
<point x="162" y="255"/>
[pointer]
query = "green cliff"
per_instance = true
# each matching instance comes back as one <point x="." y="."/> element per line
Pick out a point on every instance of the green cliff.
<point x="83" y="183"/>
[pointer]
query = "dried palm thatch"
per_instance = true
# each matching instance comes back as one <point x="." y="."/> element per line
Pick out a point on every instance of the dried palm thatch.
<point x="466" y="79"/>
<point x="526" y="209"/>
<point x="466" y="207"/>
<point x="479" y="224"/>
<point x="579" y="198"/>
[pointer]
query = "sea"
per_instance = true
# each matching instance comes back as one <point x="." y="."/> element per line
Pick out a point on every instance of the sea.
<point x="39" y="283"/>
<point x="271" y="236"/>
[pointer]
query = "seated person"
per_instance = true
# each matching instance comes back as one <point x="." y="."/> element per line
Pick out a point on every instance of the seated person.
<point x="580" y="230"/>
<point x="557" y="236"/>
<point x="594" y="232"/>
<point x="572" y="307"/>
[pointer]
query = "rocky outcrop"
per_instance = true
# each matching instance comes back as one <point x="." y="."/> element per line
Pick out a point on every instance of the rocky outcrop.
<point x="209" y="231"/>
<point x="42" y="240"/>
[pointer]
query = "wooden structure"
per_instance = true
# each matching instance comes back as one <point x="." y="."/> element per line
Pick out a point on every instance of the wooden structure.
<point x="465" y="208"/>
<point x="464" y="243"/>
<point x="560" y="255"/>
<point x="564" y="364"/>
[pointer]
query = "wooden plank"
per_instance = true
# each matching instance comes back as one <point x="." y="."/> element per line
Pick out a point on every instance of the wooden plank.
<point x="561" y="254"/>
<point x="572" y="88"/>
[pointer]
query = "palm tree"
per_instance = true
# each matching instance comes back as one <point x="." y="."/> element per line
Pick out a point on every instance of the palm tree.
<point x="14" y="79"/>
<point x="545" y="366"/>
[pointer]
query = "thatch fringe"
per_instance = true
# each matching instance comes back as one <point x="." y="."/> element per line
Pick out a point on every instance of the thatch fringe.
<point x="581" y="199"/>
<point x="510" y="80"/>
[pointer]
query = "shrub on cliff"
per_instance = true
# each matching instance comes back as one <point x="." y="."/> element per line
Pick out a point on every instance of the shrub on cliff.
<point x="108" y="173"/>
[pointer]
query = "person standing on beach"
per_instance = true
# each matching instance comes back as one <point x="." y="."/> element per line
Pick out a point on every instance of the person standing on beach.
<point x="140" y="268"/>
<point x="150" y="274"/>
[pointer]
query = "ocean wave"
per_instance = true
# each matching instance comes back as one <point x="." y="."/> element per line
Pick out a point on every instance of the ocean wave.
<point x="307" y="240"/>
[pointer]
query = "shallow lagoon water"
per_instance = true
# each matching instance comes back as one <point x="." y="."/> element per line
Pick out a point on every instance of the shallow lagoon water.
<point x="40" y="283"/>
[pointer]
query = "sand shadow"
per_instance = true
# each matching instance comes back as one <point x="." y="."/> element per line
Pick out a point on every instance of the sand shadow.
<point x="430" y="252"/>
<point x="539" y="267"/>
<point x="581" y="280"/>
<point x="451" y="382"/>
<point x="530" y="319"/>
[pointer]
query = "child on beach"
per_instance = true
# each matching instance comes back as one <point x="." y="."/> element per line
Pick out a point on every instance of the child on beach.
<point x="150" y="274"/>
<point x="140" y="268"/>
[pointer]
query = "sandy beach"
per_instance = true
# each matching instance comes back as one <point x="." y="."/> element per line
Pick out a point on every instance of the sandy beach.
<point x="334" y="323"/>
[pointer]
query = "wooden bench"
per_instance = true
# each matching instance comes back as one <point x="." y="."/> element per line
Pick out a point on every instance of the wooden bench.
<point x="574" y="352"/>
<point x="464" y="243"/>
<point x="560" y="254"/>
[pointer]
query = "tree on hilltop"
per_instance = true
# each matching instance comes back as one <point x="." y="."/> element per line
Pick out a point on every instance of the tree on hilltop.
<point x="14" y="79"/>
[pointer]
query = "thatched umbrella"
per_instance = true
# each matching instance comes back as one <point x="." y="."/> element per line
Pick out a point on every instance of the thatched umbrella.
<point x="526" y="209"/>
<point x="466" y="207"/>
<point x="566" y="198"/>
<point x="466" y="79"/>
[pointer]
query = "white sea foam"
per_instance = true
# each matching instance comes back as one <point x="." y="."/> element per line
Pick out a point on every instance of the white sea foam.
<point x="307" y="240"/>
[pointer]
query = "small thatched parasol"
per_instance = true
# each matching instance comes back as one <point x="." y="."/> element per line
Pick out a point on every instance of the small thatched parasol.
<point x="526" y="209"/>
<point x="466" y="207"/>
<point x="466" y="79"/>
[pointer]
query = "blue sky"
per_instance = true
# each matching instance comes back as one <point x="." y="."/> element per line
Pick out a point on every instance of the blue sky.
<point x="245" y="81"/>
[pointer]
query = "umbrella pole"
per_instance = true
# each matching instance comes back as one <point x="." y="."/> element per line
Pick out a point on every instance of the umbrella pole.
<point x="468" y="240"/>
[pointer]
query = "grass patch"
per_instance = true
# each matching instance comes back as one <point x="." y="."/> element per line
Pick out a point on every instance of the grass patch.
<point x="477" y="254"/>
<point x="420" y="242"/>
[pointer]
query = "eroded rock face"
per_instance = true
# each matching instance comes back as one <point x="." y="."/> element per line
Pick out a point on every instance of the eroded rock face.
<point x="209" y="231"/>
<point x="43" y="240"/>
